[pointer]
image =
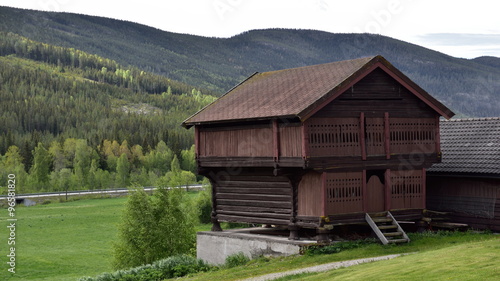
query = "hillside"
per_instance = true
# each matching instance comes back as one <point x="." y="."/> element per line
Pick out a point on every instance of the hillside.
<point x="470" y="87"/>
<point x="50" y="92"/>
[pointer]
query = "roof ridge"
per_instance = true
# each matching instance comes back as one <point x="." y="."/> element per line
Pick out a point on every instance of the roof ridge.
<point x="367" y="58"/>
<point x="472" y="119"/>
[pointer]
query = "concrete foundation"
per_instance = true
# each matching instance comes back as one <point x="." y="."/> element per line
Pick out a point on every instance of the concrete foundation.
<point x="214" y="247"/>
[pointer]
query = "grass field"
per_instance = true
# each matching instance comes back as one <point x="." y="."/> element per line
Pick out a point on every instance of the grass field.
<point x="62" y="241"/>
<point x="65" y="241"/>
<point x="437" y="253"/>
<point x="469" y="261"/>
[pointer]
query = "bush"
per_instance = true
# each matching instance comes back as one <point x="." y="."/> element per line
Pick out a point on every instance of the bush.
<point x="204" y="204"/>
<point x="172" y="267"/>
<point x="236" y="260"/>
<point x="153" y="228"/>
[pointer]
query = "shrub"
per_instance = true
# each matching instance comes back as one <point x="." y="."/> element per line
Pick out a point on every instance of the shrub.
<point x="204" y="204"/>
<point x="176" y="266"/>
<point x="236" y="260"/>
<point x="153" y="228"/>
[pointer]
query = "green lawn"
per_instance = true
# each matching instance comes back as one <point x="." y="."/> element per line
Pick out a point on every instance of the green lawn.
<point x="65" y="241"/>
<point x="431" y="246"/>
<point x="469" y="261"/>
<point x="62" y="241"/>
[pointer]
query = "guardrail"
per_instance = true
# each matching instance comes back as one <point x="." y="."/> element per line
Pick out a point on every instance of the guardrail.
<point x="95" y="191"/>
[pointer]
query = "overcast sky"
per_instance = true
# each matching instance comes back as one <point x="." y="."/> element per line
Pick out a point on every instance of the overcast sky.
<point x="464" y="29"/>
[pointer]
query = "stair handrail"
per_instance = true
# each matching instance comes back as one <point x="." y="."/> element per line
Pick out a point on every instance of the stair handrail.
<point x="400" y="229"/>
<point x="375" y="228"/>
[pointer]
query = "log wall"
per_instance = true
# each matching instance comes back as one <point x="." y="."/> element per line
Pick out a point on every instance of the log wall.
<point x="254" y="199"/>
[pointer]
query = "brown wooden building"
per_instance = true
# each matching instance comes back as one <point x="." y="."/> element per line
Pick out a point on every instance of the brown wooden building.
<point x="319" y="145"/>
<point x="467" y="181"/>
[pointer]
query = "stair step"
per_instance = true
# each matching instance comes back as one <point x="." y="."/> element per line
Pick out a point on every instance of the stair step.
<point x="379" y="214"/>
<point x="395" y="235"/>
<point x="390" y="226"/>
<point x="402" y="240"/>
<point x="392" y="234"/>
<point x="381" y="219"/>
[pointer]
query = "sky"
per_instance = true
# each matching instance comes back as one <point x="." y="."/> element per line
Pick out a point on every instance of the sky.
<point x="465" y="29"/>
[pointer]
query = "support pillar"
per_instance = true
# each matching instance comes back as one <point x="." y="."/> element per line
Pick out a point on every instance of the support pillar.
<point x="215" y="222"/>
<point x="422" y="226"/>
<point x="292" y="226"/>
<point x="322" y="235"/>
<point x="294" y="231"/>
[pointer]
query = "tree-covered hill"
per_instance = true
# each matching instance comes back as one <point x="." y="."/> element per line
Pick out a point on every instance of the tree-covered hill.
<point x="470" y="87"/>
<point x="49" y="92"/>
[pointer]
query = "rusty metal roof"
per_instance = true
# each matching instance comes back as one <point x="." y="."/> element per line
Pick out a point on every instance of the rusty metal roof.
<point x="470" y="146"/>
<point x="296" y="92"/>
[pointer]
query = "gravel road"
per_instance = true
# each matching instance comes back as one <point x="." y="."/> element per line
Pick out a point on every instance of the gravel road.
<point x="321" y="268"/>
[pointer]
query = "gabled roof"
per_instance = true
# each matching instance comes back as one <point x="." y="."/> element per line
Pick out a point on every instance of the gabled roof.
<point x="470" y="146"/>
<point x="300" y="92"/>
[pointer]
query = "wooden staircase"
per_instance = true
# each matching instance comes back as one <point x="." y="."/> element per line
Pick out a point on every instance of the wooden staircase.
<point x="386" y="228"/>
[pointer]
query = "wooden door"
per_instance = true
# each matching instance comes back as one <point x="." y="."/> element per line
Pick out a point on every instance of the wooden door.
<point x="375" y="194"/>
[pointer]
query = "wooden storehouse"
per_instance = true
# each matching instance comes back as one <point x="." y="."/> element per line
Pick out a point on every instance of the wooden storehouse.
<point x="467" y="181"/>
<point x="320" y="145"/>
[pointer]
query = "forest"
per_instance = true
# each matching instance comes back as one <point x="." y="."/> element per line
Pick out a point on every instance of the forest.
<point x="69" y="119"/>
<point x="94" y="83"/>
<point x="470" y="87"/>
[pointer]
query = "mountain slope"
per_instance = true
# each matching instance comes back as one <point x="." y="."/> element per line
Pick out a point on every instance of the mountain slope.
<point x="470" y="87"/>
<point x="50" y="92"/>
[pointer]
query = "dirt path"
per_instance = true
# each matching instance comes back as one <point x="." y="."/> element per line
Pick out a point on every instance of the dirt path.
<point x="321" y="268"/>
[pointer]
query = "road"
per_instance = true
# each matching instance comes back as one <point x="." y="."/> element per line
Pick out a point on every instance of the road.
<point x="90" y="192"/>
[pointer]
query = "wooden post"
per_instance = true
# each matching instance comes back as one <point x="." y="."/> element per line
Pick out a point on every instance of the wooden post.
<point x="388" y="189"/>
<point x="324" y="197"/>
<point x="387" y="136"/>
<point x="364" y="190"/>
<point x="292" y="226"/>
<point x="214" y="220"/>
<point x="276" y="141"/>
<point x="362" y="137"/>
<point x="305" y="141"/>
<point x="424" y="188"/>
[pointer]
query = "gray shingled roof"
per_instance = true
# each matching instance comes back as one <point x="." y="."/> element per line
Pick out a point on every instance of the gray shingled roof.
<point x="470" y="146"/>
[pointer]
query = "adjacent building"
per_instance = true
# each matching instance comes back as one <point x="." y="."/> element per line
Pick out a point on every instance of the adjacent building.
<point x="467" y="181"/>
